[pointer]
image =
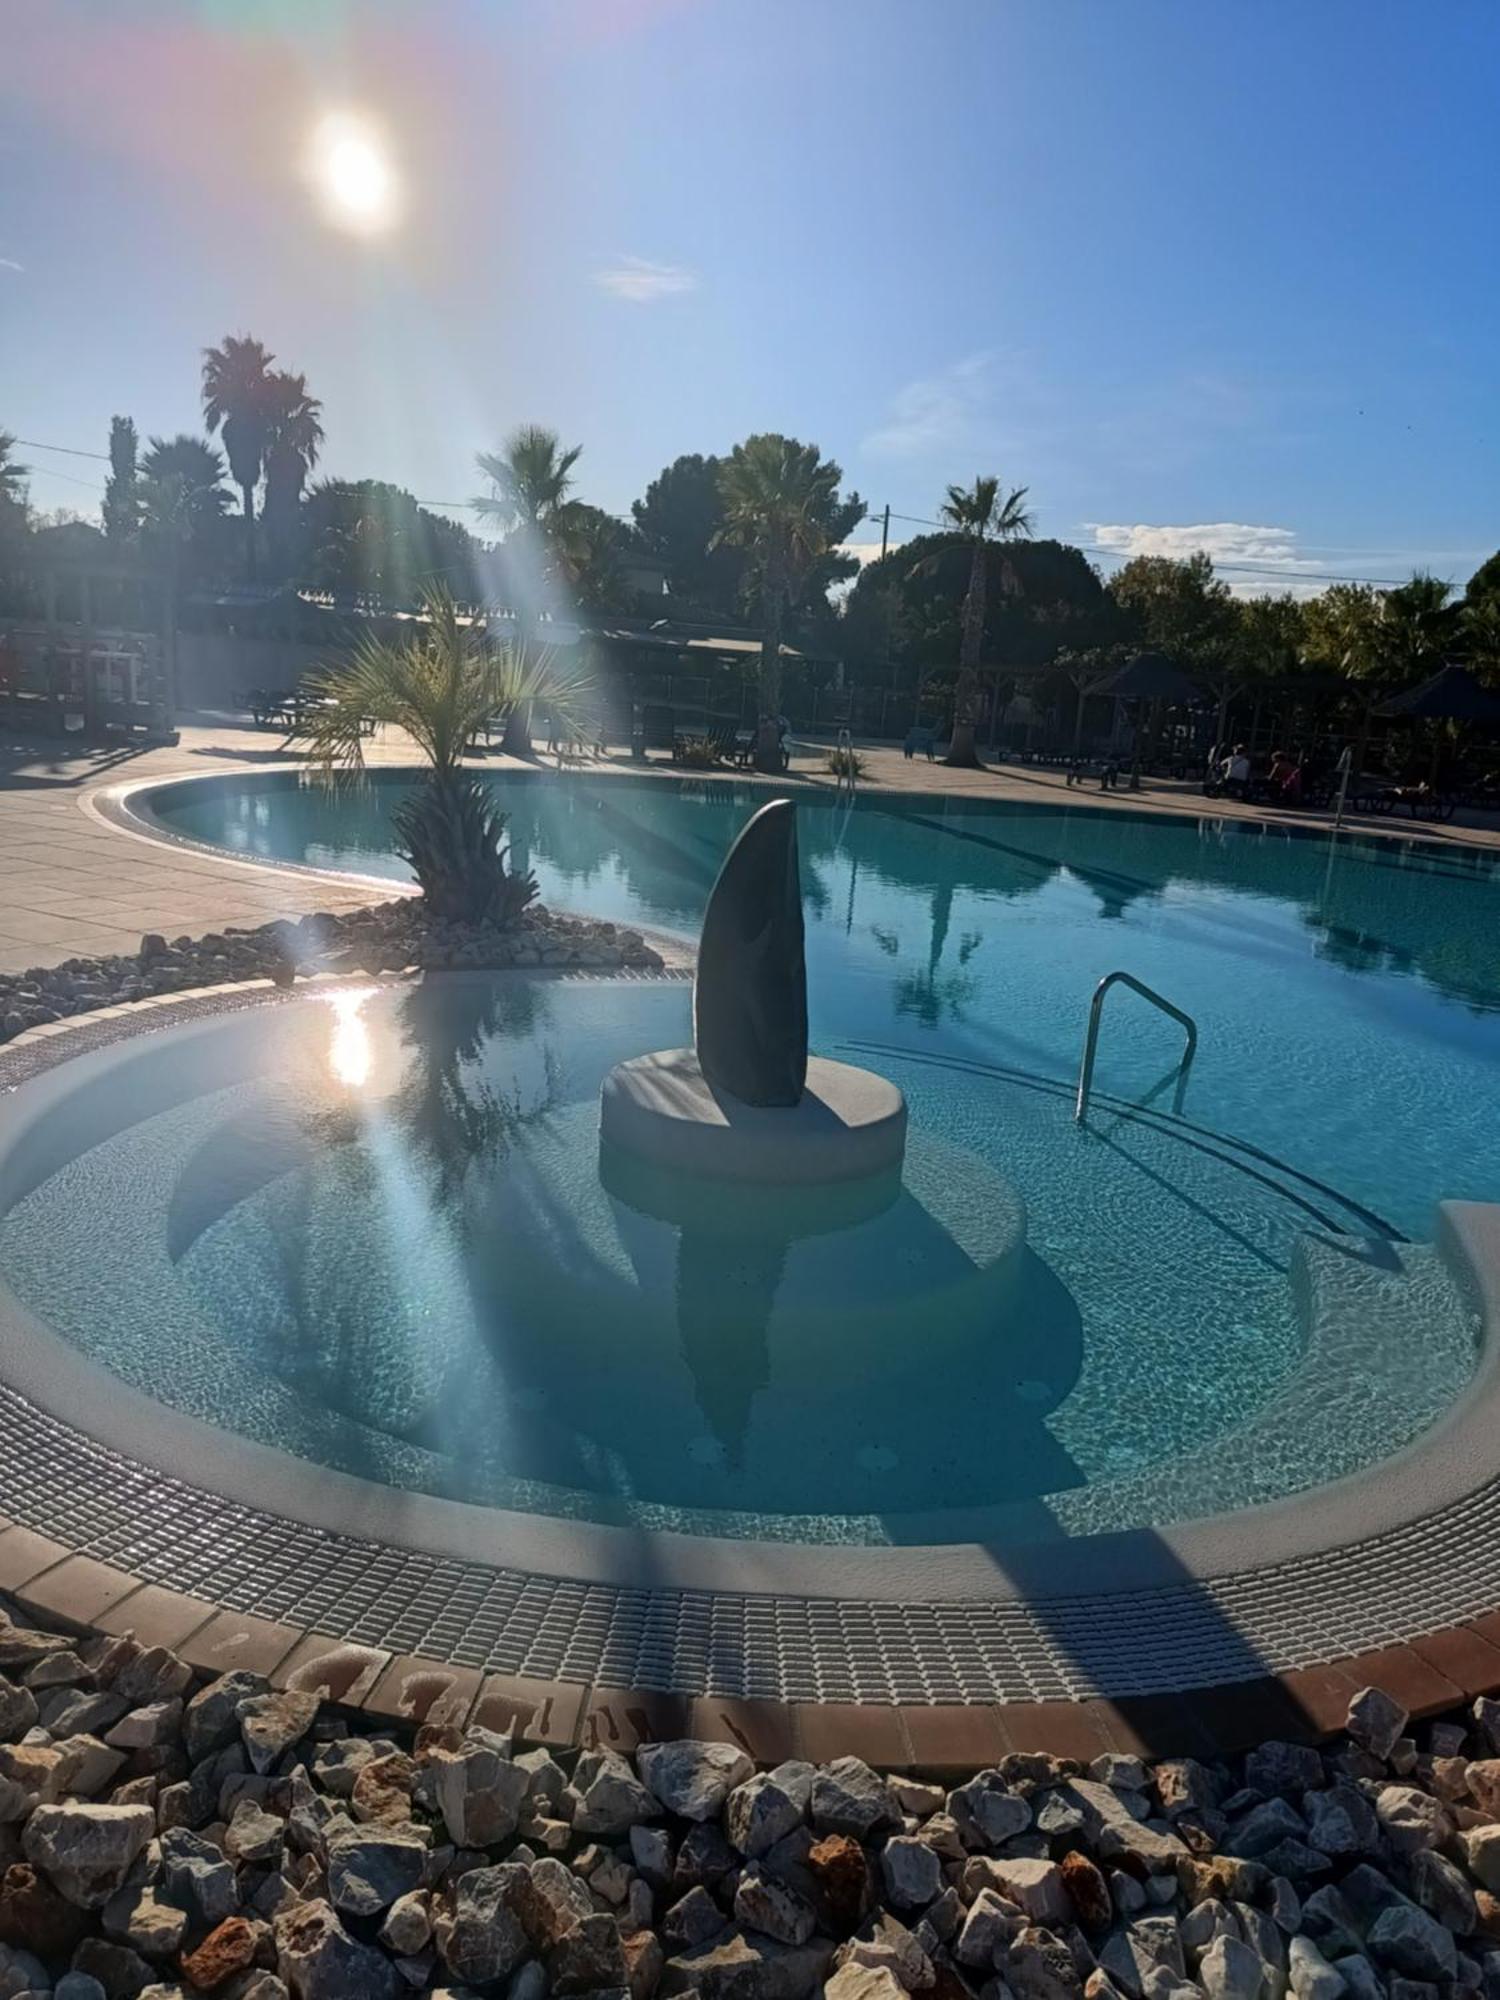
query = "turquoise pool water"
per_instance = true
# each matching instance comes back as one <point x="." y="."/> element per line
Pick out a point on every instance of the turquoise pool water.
<point x="376" y="1233"/>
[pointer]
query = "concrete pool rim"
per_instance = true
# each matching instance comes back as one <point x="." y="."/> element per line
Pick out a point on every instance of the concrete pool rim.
<point x="1378" y="1558"/>
<point x="125" y="807"/>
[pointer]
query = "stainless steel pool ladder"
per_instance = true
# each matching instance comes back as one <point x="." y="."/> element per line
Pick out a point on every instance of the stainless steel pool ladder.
<point x="844" y="755"/>
<point x="1091" y="1044"/>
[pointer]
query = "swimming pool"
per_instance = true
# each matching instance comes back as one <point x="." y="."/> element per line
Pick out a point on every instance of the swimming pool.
<point x="377" y="1235"/>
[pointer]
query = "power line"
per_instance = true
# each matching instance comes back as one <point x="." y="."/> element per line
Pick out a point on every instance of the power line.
<point x="889" y="513"/>
<point x="68" y="450"/>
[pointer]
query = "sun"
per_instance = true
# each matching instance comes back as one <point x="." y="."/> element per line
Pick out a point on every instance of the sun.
<point x="353" y="175"/>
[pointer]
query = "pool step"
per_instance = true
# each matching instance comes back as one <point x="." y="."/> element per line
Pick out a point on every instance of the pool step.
<point x="1361" y="1297"/>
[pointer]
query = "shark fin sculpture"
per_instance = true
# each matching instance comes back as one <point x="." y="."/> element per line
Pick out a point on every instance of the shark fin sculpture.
<point x="750" y="995"/>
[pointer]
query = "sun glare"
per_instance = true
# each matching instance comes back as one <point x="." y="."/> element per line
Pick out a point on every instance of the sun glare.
<point x="353" y="176"/>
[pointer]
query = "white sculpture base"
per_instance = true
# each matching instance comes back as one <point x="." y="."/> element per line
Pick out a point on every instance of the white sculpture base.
<point x="661" y="1108"/>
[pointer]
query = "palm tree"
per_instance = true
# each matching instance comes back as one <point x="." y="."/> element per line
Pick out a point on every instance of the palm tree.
<point x="181" y="488"/>
<point x="587" y="546"/>
<point x="12" y="476"/>
<point x="778" y="499"/>
<point x="238" y="398"/>
<point x="530" y="480"/>
<point x="294" y="437"/>
<point x="441" y="682"/>
<point x="531" y="477"/>
<point x="977" y="517"/>
<point x="1417" y="625"/>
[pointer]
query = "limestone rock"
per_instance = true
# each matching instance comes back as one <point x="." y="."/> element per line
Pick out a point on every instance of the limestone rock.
<point x="480" y="1939"/>
<point x="1375" y="1721"/>
<point x="1230" y="1970"/>
<point x="1310" y="1975"/>
<point x="211" y="1718"/>
<point x="271" y="1723"/>
<point x="692" y="1779"/>
<point x="1412" y="1819"/>
<point x="408" y="1924"/>
<point x="588" y="1959"/>
<point x="762" y="1903"/>
<point x="762" y="1811"/>
<point x="912" y="1872"/>
<point x="848" y="1797"/>
<point x="987" y="1811"/>
<point x="319" y="1960"/>
<point x="370" y="1866"/>
<point x="611" y="1798"/>
<point x="740" y="1965"/>
<point x="864" y="1982"/>
<point x="86" y="1850"/>
<point x="1409" y="1941"/>
<point x="479" y="1792"/>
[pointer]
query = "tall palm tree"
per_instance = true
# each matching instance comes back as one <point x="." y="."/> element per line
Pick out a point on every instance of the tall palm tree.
<point x="778" y="497"/>
<point x="977" y="517"/>
<point x="294" y="437"/>
<point x="530" y="479"/>
<point x="441" y="682"/>
<point x="238" y="398"/>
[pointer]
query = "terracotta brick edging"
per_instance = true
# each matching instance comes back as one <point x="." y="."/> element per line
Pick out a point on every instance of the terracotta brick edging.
<point x="1432" y="1674"/>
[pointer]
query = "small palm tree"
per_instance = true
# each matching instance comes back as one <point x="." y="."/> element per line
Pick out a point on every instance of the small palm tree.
<point x="977" y="517"/>
<point x="238" y="398"/>
<point x="442" y="683"/>
<point x="778" y="497"/>
<point x="294" y="437"/>
<point x="181" y="486"/>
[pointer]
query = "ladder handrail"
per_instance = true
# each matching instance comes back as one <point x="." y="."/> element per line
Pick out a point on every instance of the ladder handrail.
<point x="1091" y="1043"/>
<point x="845" y="742"/>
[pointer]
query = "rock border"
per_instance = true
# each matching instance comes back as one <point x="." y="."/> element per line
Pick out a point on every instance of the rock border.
<point x="170" y="1836"/>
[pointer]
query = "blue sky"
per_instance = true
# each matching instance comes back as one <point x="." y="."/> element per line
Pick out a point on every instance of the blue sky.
<point x="1197" y="272"/>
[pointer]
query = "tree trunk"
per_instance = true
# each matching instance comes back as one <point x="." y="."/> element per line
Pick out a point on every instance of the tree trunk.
<point x="250" y="570"/>
<point x="773" y="609"/>
<point x="962" y="749"/>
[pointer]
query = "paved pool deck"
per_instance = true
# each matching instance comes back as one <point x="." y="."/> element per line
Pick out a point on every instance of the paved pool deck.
<point x="74" y="886"/>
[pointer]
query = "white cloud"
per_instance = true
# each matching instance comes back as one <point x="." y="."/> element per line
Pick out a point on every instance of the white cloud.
<point x="10" y="264"/>
<point x="642" y="282"/>
<point x="935" y="413"/>
<point x="866" y="552"/>
<point x="1255" y="560"/>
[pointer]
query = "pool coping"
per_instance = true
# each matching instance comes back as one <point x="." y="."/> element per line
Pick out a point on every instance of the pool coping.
<point x="1088" y="1629"/>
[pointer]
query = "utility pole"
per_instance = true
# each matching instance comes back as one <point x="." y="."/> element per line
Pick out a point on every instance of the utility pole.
<point x="885" y="530"/>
